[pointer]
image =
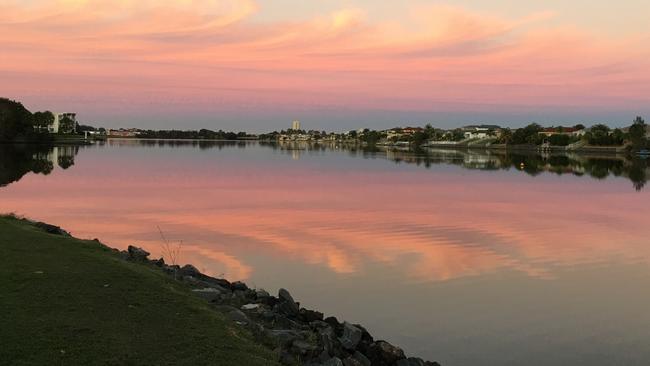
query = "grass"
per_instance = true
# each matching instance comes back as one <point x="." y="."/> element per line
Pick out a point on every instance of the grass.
<point x="65" y="301"/>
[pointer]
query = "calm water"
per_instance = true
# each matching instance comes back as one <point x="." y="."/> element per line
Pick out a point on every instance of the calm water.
<point x="465" y="258"/>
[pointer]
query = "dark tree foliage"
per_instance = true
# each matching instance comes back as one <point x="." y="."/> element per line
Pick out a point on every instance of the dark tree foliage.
<point x="561" y="140"/>
<point x="15" y="120"/>
<point x="638" y="132"/>
<point x="528" y="135"/>
<point x="601" y="135"/>
<point x="41" y="120"/>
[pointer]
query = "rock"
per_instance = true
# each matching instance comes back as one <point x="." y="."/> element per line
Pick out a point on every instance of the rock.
<point x="304" y="349"/>
<point x="357" y="359"/>
<point x="351" y="336"/>
<point x="411" y="361"/>
<point x="190" y="270"/>
<point x="287" y="358"/>
<point x="331" y="345"/>
<point x="51" y="229"/>
<point x="210" y="294"/>
<point x="250" y="307"/>
<point x="238" y="286"/>
<point x="238" y="317"/>
<point x="334" y="361"/>
<point x="261" y="294"/>
<point x="137" y="254"/>
<point x="382" y="353"/>
<point x="171" y="270"/>
<point x="283" y="337"/>
<point x="287" y="305"/>
<point x="334" y="323"/>
<point x="309" y="316"/>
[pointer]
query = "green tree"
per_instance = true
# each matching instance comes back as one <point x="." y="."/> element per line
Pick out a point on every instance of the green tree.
<point x="638" y="133"/>
<point x="579" y="127"/>
<point x="42" y="120"/>
<point x="66" y="125"/>
<point x="15" y="120"/>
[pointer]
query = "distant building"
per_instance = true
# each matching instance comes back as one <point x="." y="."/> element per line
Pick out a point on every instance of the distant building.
<point x="295" y="125"/>
<point x="411" y="130"/>
<point x="548" y="132"/>
<point x="131" y="132"/>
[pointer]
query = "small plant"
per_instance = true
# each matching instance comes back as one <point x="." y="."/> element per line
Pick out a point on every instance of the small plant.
<point x="170" y="252"/>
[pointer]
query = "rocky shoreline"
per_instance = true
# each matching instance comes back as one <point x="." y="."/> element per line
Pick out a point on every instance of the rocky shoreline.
<point x="300" y="336"/>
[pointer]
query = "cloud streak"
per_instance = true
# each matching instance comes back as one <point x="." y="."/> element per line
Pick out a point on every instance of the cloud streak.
<point x="444" y="58"/>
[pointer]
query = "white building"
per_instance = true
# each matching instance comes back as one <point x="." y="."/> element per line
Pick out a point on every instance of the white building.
<point x="295" y="125"/>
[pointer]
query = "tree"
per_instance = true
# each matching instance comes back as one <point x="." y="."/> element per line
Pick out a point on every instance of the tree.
<point x="505" y="137"/>
<point x="579" y="127"/>
<point x="638" y="133"/>
<point x="42" y="120"/>
<point x="527" y="135"/>
<point x="15" y="120"/>
<point x="66" y="125"/>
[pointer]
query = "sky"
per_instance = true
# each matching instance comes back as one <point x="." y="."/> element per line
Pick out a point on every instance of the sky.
<point x="256" y="65"/>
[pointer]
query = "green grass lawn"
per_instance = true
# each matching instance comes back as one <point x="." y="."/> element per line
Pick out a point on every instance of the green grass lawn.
<point x="65" y="301"/>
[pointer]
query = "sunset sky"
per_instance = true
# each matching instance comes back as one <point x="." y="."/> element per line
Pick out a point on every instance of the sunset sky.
<point x="334" y="64"/>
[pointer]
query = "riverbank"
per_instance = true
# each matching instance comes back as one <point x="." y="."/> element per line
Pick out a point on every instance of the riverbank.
<point x="75" y="302"/>
<point x="80" y="302"/>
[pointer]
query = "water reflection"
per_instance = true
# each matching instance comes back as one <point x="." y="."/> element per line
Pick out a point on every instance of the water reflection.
<point x="469" y="261"/>
<point x="18" y="160"/>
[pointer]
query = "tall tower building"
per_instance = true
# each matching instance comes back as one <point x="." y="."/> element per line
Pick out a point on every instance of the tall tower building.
<point x="295" y="125"/>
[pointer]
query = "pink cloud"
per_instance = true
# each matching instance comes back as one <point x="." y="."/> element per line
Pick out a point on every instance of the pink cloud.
<point x="208" y="53"/>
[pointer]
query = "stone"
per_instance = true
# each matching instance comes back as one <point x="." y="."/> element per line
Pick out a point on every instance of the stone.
<point x="51" y="229"/>
<point x="137" y="254"/>
<point x="238" y="317"/>
<point x="334" y="361"/>
<point x="334" y="323"/>
<point x="382" y="353"/>
<point x="210" y="294"/>
<point x="261" y="294"/>
<point x="411" y="361"/>
<point x="250" y="307"/>
<point x="351" y="336"/>
<point x="283" y="337"/>
<point x="287" y="358"/>
<point x="238" y="286"/>
<point x="327" y="338"/>
<point x="303" y="348"/>
<point x="190" y="270"/>
<point x="309" y="316"/>
<point x="357" y="359"/>
<point x="287" y="305"/>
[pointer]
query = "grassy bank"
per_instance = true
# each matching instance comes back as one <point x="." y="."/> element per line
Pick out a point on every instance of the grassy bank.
<point x="65" y="301"/>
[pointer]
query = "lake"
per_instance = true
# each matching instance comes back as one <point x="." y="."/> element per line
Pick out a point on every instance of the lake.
<point x="464" y="257"/>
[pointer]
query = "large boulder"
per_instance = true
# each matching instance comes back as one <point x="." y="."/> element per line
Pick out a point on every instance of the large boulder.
<point x="137" y="254"/>
<point x="287" y="305"/>
<point x="382" y="353"/>
<point x="351" y="336"/>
